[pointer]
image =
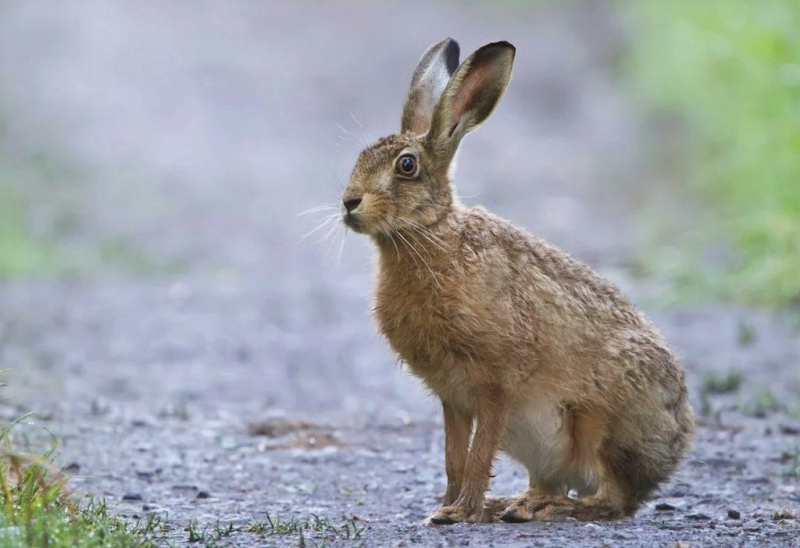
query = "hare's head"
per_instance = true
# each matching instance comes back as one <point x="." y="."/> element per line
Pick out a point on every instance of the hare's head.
<point x="403" y="180"/>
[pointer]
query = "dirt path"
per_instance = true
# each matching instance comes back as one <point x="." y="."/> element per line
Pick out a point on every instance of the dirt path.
<point x="253" y="381"/>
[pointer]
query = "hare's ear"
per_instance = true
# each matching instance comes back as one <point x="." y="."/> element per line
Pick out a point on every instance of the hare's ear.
<point x="427" y="84"/>
<point x="471" y="96"/>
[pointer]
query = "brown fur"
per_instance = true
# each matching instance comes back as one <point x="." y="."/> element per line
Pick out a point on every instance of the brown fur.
<point x="547" y="360"/>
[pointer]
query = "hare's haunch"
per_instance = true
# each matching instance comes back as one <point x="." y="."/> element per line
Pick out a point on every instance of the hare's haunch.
<point x="525" y="346"/>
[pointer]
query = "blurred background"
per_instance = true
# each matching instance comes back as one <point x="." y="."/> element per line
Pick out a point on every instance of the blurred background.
<point x="158" y="161"/>
<point x="166" y="140"/>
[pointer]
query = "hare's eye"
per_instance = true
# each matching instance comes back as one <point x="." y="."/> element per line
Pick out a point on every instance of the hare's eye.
<point x="406" y="165"/>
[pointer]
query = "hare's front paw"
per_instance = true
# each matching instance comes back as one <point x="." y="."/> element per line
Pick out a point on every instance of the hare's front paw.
<point x="457" y="513"/>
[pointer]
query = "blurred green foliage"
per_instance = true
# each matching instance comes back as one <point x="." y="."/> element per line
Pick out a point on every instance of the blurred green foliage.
<point x="42" y="234"/>
<point x="21" y="253"/>
<point x="27" y="250"/>
<point x="731" y="70"/>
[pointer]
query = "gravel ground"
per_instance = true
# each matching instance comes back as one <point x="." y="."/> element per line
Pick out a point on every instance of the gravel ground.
<point x="252" y="382"/>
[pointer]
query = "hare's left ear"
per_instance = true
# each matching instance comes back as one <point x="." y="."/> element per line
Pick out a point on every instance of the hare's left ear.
<point x="427" y="84"/>
<point x="471" y="96"/>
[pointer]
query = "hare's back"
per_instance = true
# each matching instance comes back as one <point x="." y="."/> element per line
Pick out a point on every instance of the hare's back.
<point x="535" y="269"/>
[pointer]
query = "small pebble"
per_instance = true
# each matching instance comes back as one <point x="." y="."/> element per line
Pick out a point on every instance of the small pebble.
<point x="664" y="507"/>
<point x="203" y="494"/>
<point x="781" y="515"/>
<point x="734" y="514"/>
<point x="790" y="430"/>
<point x="132" y="496"/>
<point x="148" y="472"/>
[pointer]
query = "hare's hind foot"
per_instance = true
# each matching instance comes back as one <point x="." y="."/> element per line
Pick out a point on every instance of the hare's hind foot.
<point x="524" y="508"/>
<point x="492" y="508"/>
<point x="531" y="507"/>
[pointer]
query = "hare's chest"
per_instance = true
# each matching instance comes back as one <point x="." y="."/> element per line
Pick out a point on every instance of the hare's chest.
<point x="419" y="330"/>
<point x="432" y="336"/>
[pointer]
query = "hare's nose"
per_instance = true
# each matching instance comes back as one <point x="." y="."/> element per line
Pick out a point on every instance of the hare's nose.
<point x="351" y="204"/>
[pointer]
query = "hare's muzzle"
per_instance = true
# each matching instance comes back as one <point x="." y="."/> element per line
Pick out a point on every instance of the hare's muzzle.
<point x="350" y="213"/>
<point x="351" y="204"/>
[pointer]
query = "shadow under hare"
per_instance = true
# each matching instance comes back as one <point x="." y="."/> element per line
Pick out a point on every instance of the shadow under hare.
<point x="529" y="351"/>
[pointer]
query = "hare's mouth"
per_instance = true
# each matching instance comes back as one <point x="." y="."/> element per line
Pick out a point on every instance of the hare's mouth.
<point x="352" y="221"/>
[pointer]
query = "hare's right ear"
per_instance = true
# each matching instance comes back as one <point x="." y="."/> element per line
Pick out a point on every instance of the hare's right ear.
<point x="427" y="84"/>
<point x="470" y="97"/>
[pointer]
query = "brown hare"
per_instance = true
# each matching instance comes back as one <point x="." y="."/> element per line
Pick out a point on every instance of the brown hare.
<point x="524" y="345"/>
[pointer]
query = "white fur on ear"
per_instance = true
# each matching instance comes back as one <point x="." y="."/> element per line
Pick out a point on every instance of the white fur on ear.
<point x="430" y="79"/>
<point x="443" y="61"/>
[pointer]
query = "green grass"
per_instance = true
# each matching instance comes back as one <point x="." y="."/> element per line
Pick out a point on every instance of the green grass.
<point x="272" y="525"/>
<point x="791" y="457"/>
<point x="730" y="71"/>
<point x="36" y="509"/>
<point x="717" y="382"/>
<point x="762" y="405"/>
<point x="311" y="531"/>
<point x="722" y="382"/>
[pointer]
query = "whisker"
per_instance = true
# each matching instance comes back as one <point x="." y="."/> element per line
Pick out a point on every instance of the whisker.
<point x="341" y="251"/>
<point x="334" y="178"/>
<point x="436" y="244"/>
<point x="423" y="231"/>
<point x="330" y="245"/>
<point x="316" y="209"/>
<point x="361" y="135"/>
<point x="327" y="234"/>
<point x="353" y="116"/>
<point x="397" y="249"/>
<point x="322" y="224"/>
<point x="412" y="232"/>
<point x="387" y="233"/>
<point x="405" y="244"/>
<point x="435" y="279"/>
